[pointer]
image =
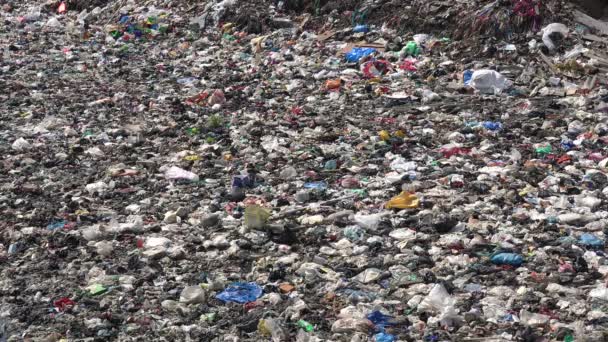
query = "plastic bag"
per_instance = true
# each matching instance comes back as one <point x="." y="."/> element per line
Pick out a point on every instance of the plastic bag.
<point x="411" y="49"/>
<point x="361" y="28"/>
<point x="240" y="293"/>
<point x="192" y="295"/>
<point x="369" y="222"/>
<point x="507" y="259"/>
<point x="379" y="319"/>
<point x="271" y="327"/>
<point x="437" y="300"/>
<point x="21" y="145"/>
<point x="175" y="173"/>
<point x="375" y="68"/>
<point x="489" y="81"/>
<point x="356" y="54"/>
<point x="256" y="217"/>
<point x="590" y="240"/>
<point x="384" y="337"/>
<point x="404" y="200"/>
<point x="550" y="31"/>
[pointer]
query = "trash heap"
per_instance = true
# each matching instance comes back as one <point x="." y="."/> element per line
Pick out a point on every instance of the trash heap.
<point x="303" y="171"/>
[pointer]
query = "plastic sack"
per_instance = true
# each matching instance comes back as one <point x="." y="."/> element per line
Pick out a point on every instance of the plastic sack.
<point x="550" y="31"/>
<point x="404" y="200"/>
<point x="507" y="259"/>
<point x="489" y="81"/>
<point x="240" y="293"/>
<point x="356" y="54"/>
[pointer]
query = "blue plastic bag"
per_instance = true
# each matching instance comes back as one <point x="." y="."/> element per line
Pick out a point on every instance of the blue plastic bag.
<point x="356" y="54"/>
<point x="379" y="319"/>
<point x="467" y="75"/>
<point x="492" y="126"/>
<point x="361" y="28"/>
<point x="507" y="259"/>
<point x="384" y="337"/>
<point x="590" y="240"/>
<point x="243" y="181"/>
<point x="566" y="144"/>
<point x="315" y="185"/>
<point x="56" y="225"/>
<point x="240" y="293"/>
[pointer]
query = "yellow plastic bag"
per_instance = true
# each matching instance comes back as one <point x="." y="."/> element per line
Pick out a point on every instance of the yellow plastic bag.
<point x="384" y="135"/>
<point x="404" y="200"/>
<point x="256" y="217"/>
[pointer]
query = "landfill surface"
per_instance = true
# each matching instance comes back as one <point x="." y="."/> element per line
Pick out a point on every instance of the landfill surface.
<point x="303" y="170"/>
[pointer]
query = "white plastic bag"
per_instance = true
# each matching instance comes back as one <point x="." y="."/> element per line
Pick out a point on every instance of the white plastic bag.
<point x="489" y="81"/>
<point x="369" y="222"/>
<point x="553" y="28"/>
<point x="437" y="300"/>
<point x="175" y="173"/>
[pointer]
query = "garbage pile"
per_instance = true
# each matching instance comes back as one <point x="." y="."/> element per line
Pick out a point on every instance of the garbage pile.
<point x="302" y="171"/>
